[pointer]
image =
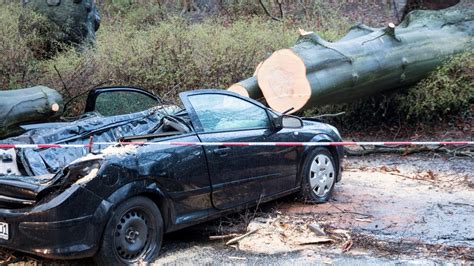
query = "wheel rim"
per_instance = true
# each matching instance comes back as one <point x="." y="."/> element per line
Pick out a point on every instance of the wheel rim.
<point x="321" y="175"/>
<point x="133" y="234"/>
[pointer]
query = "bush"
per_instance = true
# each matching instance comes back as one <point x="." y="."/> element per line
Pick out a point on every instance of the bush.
<point x="448" y="90"/>
<point x="16" y="59"/>
<point x="169" y="57"/>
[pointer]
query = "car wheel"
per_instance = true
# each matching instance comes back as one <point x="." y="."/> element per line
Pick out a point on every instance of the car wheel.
<point x="319" y="176"/>
<point x="133" y="234"/>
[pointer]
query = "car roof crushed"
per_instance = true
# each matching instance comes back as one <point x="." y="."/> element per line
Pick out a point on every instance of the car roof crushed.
<point x="102" y="129"/>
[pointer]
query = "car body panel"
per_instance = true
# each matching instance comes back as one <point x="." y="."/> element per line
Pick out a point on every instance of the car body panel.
<point x="189" y="184"/>
<point x="267" y="171"/>
<point x="245" y="173"/>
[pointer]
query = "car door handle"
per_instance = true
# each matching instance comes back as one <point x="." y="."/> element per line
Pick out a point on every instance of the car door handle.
<point x="221" y="150"/>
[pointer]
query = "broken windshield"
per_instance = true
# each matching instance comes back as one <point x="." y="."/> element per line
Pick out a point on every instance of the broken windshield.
<point x="224" y="112"/>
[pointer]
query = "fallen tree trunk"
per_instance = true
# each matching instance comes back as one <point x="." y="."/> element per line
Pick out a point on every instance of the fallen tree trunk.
<point x="248" y="87"/>
<point x="315" y="72"/>
<point x="35" y="104"/>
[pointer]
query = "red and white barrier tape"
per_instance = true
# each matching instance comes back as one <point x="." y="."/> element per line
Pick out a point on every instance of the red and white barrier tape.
<point x="236" y="144"/>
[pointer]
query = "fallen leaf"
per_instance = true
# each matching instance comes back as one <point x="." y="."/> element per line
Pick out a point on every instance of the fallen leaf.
<point x="347" y="246"/>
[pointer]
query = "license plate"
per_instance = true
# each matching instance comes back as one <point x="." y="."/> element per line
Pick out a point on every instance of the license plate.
<point x="3" y="230"/>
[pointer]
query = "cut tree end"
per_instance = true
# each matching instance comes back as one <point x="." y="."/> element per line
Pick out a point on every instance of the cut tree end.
<point x="302" y="32"/>
<point x="55" y="107"/>
<point x="257" y="68"/>
<point x="282" y="79"/>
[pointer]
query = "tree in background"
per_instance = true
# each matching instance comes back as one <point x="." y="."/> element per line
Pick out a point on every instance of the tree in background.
<point x="48" y="24"/>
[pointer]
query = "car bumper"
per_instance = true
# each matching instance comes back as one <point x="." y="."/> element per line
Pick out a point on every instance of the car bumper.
<point x="75" y="238"/>
<point x="56" y="232"/>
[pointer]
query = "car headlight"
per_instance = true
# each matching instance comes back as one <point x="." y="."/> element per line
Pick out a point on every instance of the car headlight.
<point x="335" y="131"/>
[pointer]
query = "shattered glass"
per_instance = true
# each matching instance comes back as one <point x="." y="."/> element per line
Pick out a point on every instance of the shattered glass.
<point x="223" y="112"/>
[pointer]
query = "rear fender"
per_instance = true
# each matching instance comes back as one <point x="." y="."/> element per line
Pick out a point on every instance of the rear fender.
<point x="146" y="188"/>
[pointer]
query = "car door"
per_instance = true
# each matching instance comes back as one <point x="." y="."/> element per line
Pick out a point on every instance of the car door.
<point x="240" y="174"/>
<point x="110" y="101"/>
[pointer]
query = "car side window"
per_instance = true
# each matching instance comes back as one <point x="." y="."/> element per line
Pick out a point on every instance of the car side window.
<point x="218" y="112"/>
<point x="123" y="102"/>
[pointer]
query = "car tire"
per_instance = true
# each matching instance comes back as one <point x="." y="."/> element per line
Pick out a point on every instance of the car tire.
<point x="318" y="176"/>
<point x="133" y="234"/>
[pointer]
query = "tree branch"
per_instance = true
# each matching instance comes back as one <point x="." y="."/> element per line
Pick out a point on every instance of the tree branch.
<point x="280" y="7"/>
<point x="268" y="13"/>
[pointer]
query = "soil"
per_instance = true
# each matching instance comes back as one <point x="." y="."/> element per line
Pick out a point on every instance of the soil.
<point x="416" y="209"/>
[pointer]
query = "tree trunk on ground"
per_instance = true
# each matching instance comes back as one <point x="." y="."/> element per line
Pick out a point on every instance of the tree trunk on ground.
<point x="26" y="106"/>
<point x="249" y="87"/>
<point x="315" y="72"/>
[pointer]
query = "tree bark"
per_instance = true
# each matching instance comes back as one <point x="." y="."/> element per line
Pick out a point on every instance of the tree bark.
<point x="59" y="22"/>
<point x="315" y="72"/>
<point x="35" y="104"/>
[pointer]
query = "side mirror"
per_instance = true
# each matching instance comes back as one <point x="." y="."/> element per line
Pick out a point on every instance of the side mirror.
<point x="287" y="121"/>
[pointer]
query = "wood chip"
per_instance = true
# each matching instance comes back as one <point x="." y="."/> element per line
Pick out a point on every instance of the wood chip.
<point x="237" y="239"/>
<point x="316" y="240"/>
<point x="315" y="228"/>
<point x="223" y="236"/>
<point x="363" y="220"/>
<point x="347" y="246"/>
<point x="237" y="258"/>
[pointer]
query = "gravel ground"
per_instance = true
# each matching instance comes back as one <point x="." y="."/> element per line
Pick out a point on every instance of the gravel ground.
<point x="407" y="210"/>
<point x="388" y="210"/>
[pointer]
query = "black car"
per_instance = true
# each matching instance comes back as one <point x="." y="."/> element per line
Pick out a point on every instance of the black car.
<point x="115" y="202"/>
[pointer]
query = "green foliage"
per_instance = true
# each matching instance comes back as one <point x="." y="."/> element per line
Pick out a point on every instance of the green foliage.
<point x="39" y="33"/>
<point x="323" y="17"/>
<point x="171" y="56"/>
<point x="17" y="61"/>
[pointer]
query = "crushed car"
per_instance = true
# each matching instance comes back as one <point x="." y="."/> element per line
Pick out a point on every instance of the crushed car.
<point x="115" y="202"/>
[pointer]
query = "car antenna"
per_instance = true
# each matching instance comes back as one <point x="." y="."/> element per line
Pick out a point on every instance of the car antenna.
<point x="289" y="110"/>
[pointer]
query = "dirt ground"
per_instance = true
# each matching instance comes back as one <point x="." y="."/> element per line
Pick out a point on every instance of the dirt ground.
<point x="388" y="209"/>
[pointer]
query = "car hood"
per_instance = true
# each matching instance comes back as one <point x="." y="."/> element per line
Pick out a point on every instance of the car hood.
<point x="321" y="127"/>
